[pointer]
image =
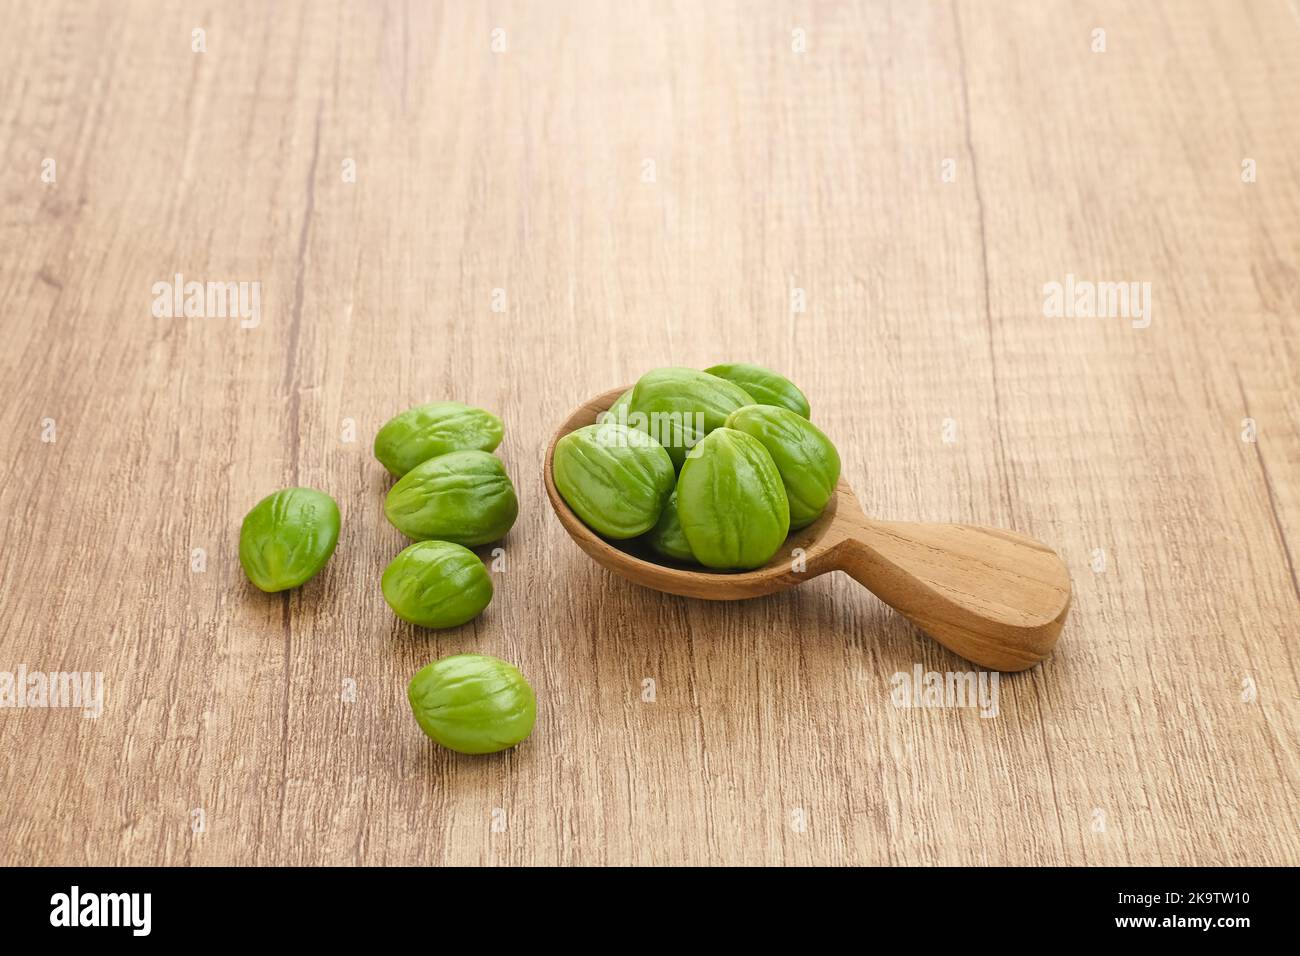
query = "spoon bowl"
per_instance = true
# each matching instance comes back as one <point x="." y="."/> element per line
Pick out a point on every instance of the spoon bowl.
<point x="995" y="597"/>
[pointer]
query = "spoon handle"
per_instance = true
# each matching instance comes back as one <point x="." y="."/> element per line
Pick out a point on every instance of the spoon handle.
<point x="995" y="597"/>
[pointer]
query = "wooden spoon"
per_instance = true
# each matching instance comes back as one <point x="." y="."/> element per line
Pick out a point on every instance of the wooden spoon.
<point x="995" y="597"/>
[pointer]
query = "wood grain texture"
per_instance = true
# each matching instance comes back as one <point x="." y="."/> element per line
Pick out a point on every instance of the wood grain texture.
<point x="1164" y="728"/>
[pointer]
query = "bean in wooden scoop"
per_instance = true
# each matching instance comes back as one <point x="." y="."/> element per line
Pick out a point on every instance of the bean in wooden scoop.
<point x="995" y="597"/>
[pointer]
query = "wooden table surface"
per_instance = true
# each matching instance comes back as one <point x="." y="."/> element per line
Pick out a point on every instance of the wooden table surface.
<point x="518" y="205"/>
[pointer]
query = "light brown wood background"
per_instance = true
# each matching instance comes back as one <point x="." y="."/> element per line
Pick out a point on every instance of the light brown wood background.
<point x="1139" y="742"/>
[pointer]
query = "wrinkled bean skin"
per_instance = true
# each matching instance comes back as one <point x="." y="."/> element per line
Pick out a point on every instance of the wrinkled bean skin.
<point x="805" y="457"/>
<point x="427" y="431"/>
<point x="287" y="537"/>
<point x="437" y="584"/>
<point x="472" y="703"/>
<point x="765" y="386"/>
<point x="464" y="497"/>
<point x="667" y="538"/>
<point x="731" y="502"/>
<point x="679" y="406"/>
<point x="616" y="479"/>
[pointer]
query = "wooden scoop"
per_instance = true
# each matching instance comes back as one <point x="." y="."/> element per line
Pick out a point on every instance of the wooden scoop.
<point x="995" y="597"/>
